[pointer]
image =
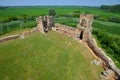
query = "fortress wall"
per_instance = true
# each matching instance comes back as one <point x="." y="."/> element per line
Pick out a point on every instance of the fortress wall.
<point x="106" y="61"/>
<point x="69" y="31"/>
<point x="3" y="39"/>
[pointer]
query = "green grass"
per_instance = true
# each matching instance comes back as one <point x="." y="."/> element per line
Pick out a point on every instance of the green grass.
<point x="51" y="56"/>
<point x="16" y="11"/>
<point x="109" y="27"/>
<point x="72" y="22"/>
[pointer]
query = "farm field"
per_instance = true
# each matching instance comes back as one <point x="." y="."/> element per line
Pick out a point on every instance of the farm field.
<point x="42" y="10"/>
<point x="51" y="56"/>
<point x="109" y="27"/>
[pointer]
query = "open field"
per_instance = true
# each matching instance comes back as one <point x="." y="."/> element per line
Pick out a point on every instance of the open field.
<point x="51" y="56"/>
<point x="110" y="27"/>
<point x="16" y="11"/>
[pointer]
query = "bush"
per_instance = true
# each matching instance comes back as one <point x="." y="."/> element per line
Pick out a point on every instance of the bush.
<point x="103" y="18"/>
<point x="78" y="11"/>
<point x="14" y="25"/>
<point x="114" y="19"/>
<point x="52" y="12"/>
<point x="111" y="8"/>
<point x="111" y="43"/>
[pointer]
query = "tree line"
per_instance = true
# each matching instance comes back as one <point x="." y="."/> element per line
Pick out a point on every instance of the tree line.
<point x="111" y="8"/>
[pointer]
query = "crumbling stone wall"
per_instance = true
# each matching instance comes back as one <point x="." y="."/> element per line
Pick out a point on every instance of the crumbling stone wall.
<point x="48" y="23"/>
<point x="84" y="28"/>
<point x="69" y="31"/>
<point x="40" y="27"/>
<point x="84" y="32"/>
<point x="105" y="60"/>
<point x="3" y="39"/>
<point x="44" y="24"/>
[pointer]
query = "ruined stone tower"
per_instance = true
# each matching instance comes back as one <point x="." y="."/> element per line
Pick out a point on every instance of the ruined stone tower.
<point x="84" y="28"/>
<point x="45" y="24"/>
<point x="40" y="27"/>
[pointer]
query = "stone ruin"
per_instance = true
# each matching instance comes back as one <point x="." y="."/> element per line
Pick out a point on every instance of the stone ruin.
<point x="44" y="24"/>
<point x="83" y="30"/>
<point x="69" y="31"/>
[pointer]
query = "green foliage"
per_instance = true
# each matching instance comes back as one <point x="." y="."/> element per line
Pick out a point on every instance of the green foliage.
<point x="7" y="27"/>
<point x="111" y="43"/>
<point x="108" y="38"/>
<point x="26" y="13"/>
<point x="102" y="18"/>
<point x="67" y="21"/>
<point x="111" y="8"/>
<point x="14" y="25"/>
<point x="114" y="19"/>
<point x="52" y="12"/>
<point x="77" y="11"/>
<point x="109" y="27"/>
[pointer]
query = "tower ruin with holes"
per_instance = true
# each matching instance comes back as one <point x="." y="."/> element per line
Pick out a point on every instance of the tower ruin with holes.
<point x="45" y="23"/>
<point x="84" y="28"/>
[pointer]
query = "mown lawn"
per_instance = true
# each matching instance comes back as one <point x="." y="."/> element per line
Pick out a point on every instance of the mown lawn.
<point x="51" y="56"/>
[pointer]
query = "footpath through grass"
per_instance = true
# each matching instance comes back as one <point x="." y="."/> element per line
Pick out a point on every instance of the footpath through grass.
<point x="51" y="56"/>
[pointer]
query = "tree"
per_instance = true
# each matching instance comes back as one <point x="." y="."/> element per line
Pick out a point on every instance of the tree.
<point x="52" y="12"/>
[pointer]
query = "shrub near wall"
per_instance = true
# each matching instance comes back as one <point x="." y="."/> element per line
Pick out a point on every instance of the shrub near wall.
<point x="111" y="43"/>
<point x="14" y="25"/>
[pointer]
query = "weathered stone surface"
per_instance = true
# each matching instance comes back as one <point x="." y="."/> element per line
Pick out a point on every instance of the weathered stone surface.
<point x="44" y="24"/>
<point x="106" y="61"/>
<point x="3" y="39"/>
<point x="48" y="23"/>
<point x="69" y="31"/>
<point x="85" y="26"/>
<point x="24" y="34"/>
<point x="96" y="62"/>
<point x="108" y="75"/>
<point x="40" y="26"/>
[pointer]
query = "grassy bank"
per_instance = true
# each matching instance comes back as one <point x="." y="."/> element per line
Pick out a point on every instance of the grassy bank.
<point x="47" y="57"/>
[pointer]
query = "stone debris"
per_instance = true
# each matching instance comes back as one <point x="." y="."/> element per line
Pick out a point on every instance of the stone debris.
<point x="107" y="75"/>
<point x="96" y="62"/>
<point x="3" y="39"/>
